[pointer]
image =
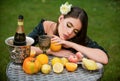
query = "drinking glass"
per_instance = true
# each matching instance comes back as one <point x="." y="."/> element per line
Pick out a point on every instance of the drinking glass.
<point x="44" y="43"/>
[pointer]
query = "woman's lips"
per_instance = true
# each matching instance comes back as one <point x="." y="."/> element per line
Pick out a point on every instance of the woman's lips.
<point x="65" y="36"/>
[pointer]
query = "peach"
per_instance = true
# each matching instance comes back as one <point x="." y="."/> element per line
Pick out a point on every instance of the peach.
<point x="73" y="58"/>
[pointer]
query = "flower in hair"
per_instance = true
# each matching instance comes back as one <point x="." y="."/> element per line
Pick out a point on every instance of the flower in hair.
<point x="65" y="8"/>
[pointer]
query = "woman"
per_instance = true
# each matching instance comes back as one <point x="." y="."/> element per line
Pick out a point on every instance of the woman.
<point x="71" y="32"/>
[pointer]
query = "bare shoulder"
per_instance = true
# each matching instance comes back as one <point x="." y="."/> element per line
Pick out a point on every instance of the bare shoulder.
<point x="48" y="23"/>
<point x="48" y="27"/>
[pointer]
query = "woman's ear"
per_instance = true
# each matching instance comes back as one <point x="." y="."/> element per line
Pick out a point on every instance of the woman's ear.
<point x="61" y="18"/>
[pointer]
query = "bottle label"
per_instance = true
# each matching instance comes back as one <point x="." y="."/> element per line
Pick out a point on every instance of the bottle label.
<point x="20" y="23"/>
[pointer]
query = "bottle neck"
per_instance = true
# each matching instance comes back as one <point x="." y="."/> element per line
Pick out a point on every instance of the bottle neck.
<point x="20" y="28"/>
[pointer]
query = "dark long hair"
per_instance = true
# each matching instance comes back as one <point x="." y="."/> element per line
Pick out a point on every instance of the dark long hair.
<point x="79" y="13"/>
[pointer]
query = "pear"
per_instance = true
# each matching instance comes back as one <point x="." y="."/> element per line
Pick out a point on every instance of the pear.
<point x="89" y="64"/>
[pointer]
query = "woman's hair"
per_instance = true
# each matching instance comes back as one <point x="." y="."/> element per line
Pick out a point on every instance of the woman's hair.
<point x="79" y="13"/>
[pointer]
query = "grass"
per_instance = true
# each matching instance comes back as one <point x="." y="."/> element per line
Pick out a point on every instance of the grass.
<point x="104" y="26"/>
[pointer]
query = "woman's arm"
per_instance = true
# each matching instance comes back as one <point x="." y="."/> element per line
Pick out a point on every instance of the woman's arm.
<point x="92" y="53"/>
<point x="61" y="53"/>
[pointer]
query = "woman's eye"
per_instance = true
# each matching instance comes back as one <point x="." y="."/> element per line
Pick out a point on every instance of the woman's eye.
<point x="76" y="31"/>
<point x="69" y="25"/>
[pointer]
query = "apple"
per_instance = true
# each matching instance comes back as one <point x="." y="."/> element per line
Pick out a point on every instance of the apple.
<point x="73" y="58"/>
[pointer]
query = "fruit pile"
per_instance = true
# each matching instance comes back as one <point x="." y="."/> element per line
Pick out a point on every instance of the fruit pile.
<point x="41" y="63"/>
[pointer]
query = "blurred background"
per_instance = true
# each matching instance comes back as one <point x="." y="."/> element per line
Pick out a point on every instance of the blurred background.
<point x="104" y="26"/>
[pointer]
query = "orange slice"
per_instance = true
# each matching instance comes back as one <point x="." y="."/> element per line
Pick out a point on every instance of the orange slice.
<point x="71" y="66"/>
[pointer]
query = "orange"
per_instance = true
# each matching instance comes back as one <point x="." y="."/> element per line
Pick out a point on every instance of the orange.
<point x="58" y="67"/>
<point x="42" y="58"/>
<point x="56" y="60"/>
<point x="71" y="66"/>
<point x="31" y="65"/>
<point x="32" y="53"/>
<point x="55" y="47"/>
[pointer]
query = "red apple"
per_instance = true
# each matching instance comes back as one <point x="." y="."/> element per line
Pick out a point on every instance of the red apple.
<point x="73" y="58"/>
<point x="79" y="56"/>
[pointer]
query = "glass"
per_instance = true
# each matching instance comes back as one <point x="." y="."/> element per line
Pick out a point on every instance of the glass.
<point x="44" y="42"/>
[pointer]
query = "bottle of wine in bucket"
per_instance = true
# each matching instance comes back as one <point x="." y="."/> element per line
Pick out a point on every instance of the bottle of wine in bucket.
<point x="20" y="37"/>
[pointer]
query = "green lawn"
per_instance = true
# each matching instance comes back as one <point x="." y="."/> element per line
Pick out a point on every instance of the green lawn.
<point x="104" y="26"/>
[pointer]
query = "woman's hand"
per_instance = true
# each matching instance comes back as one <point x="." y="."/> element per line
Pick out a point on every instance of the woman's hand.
<point x="60" y="41"/>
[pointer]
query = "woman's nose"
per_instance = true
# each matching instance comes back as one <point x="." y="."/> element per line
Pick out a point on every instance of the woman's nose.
<point x="70" y="30"/>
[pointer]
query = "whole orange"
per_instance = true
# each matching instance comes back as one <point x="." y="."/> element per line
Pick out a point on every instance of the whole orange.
<point x="42" y="58"/>
<point x="31" y="65"/>
<point x="71" y="66"/>
<point x="54" y="47"/>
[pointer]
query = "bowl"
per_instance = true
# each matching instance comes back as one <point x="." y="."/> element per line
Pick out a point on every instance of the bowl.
<point x="19" y="53"/>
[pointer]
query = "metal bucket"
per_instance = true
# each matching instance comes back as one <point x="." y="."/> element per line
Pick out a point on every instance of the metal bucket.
<point x="19" y="53"/>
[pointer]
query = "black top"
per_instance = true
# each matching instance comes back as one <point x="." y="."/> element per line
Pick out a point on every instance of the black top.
<point x="39" y="30"/>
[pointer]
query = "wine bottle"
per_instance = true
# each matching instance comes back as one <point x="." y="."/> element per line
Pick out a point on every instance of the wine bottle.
<point x="20" y="37"/>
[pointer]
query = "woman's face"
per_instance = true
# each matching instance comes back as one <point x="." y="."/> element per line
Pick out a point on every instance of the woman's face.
<point x="68" y="27"/>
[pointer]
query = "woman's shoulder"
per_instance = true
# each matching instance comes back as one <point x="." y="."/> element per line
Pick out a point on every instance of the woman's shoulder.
<point x="47" y="23"/>
<point x="48" y="26"/>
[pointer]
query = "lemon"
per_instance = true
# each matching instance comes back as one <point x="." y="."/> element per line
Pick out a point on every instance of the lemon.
<point x="64" y="60"/>
<point x="56" y="60"/>
<point x="58" y="67"/>
<point x="46" y="68"/>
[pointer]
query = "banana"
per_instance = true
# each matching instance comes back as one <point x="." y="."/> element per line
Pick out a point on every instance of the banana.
<point x="89" y="64"/>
